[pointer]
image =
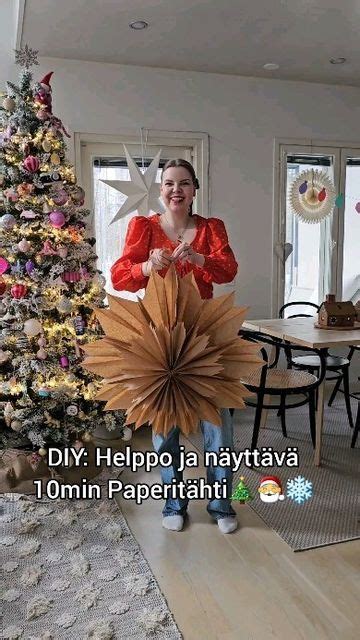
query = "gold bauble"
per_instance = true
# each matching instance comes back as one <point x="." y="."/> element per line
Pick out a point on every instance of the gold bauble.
<point x="46" y="145"/>
<point x="42" y="452"/>
<point x="81" y="415"/>
<point x="54" y="158"/>
<point x="87" y="437"/>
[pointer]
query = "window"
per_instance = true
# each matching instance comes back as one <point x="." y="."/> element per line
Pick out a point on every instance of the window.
<point x="101" y="159"/>
<point x="325" y="256"/>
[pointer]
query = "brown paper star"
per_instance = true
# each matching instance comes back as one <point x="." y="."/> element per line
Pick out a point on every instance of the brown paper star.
<point x="172" y="358"/>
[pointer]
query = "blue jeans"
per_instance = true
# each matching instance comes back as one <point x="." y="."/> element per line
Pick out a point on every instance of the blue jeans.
<point x="214" y="438"/>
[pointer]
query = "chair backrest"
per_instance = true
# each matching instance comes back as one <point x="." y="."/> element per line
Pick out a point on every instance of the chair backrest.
<point x="309" y="306"/>
<point x="279" y="346"/>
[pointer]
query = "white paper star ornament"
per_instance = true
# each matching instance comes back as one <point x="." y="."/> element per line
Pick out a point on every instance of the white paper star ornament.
<point x="143" y="193"/>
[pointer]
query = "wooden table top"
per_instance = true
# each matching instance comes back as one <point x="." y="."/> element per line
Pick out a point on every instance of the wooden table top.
<point x="302" y="331"/>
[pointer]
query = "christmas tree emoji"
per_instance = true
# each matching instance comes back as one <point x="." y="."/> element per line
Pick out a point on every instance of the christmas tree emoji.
<point x="242" y="493"/>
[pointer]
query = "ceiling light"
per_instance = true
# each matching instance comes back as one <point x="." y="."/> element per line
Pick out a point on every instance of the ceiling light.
<point x="271" y="66"/>
<point x="138" y="25"/>
<point x="337" y="60"/>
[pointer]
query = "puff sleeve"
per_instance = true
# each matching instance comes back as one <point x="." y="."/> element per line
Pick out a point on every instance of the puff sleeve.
<point x="220" y="265"/>
<point x="126" y="272"/>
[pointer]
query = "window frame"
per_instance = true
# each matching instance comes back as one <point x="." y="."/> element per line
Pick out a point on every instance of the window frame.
<point x="282" y="146"/>
<point x="198" y="141"/>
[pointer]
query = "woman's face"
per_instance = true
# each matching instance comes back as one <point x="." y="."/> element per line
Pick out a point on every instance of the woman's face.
<point x="177" y="189"/>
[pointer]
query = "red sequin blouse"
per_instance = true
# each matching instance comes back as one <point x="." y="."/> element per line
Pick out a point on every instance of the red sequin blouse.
<point x="144" y="234"/>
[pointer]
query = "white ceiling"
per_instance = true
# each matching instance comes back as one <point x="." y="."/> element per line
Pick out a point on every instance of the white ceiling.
<point x="220" y="36"/>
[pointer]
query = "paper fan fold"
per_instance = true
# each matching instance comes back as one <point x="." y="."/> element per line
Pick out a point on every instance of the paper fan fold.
<point x="304" y="196"/>
<point x="172" y="358"/>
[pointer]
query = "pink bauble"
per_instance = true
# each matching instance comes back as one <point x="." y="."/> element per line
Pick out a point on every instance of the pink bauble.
<point x="62" y="251"/>
<point x="71" y="276"/>
<point x="357" y="207"/>
<point x="57" y="219"/>
<point x="24" y="245"/>
<point x="4" y="265"/>
<point x="60" y="197"/>
<point x="31" y="164"/>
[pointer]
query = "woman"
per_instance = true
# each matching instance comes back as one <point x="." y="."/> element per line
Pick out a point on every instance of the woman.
<point x="197" y="244"/>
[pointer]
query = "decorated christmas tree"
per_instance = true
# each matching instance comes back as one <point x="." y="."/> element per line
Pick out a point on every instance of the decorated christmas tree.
<point x="49" y="282"/>
<point x="242" y="493"/>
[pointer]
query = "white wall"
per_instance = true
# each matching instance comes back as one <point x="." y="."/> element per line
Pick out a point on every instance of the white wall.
<point x="242" y="116"/>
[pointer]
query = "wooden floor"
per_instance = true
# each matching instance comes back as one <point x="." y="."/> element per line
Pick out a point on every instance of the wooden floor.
<point x="248" y="585"/>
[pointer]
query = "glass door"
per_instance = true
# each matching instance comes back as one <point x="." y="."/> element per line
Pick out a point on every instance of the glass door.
<point x="349" y="227"/>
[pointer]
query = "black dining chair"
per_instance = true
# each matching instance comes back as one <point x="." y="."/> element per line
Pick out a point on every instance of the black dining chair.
<point x="356" y="427"/>
<point x="272" y="381"/>
<point x="339" y="365"/>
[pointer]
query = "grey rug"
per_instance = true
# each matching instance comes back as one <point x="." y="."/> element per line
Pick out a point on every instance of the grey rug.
<point x="331" y="515"/>
<point x="74" y="570"/>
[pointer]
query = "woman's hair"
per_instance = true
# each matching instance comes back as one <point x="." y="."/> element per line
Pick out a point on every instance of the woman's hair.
<point x="180" y="162"/>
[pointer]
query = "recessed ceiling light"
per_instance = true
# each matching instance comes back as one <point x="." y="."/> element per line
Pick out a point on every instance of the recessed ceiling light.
<point x="138" y="25"/>
<point x="337" y="60"/>
<point x="271" y="66"/>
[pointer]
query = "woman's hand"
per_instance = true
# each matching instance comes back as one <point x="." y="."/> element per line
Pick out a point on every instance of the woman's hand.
<point x="159" y="259"/>
<point x="184" y="252"/>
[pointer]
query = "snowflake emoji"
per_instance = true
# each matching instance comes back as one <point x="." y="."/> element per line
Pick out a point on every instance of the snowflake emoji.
<point x="299" y="489"/>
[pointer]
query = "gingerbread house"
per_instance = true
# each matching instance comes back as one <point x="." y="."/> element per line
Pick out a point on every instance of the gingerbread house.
<point x="336" y="314"/>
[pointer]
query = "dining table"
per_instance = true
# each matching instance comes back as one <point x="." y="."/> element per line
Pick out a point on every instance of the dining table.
<point x="302" y="331"/>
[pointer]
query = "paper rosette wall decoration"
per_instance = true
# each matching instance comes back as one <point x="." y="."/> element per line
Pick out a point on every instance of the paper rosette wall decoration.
<point x="312" y="196"/>
<point x="172" y="358"/>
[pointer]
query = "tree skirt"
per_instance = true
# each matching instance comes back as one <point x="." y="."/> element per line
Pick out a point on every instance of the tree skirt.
<point x="72" y="569"/>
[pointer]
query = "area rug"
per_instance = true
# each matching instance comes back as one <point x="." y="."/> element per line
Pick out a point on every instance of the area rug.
<point x="72" y="569"/>
<point x="331" y="514"/>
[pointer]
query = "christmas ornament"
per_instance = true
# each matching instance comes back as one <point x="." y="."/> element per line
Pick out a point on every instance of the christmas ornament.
<point x="242" y="493"/>
<point x="29" y="266"/>
<point x="42" y="341"/>
<point x="87" y="437"/>
<point x="5" y="356"/>
<point x="18" y="291"/>
<point x="127" y="434"/>
<point x="339" y="200"/>
<point x="48" y="249"/>
<point x="64" y="305"/>
<point x="2" y="286"/>
<point x="71" y="276"/>
<point x="29" y="214"/>
<point x="24" y="245"/>
<point x="303" y="187"/>
<point x="143" y="193"/>
<point x="46" y="145"/>
<point x="172" y="358"/>
<point x="9" y="104"/>
<point x="41" y="354"/>
<point x="62" y="251"/>
<point x="43" y="392"/>
<point x="4" y="265"/>
<point x="16" y="425"/>
<point x="7" y="221"/>
<point x="57" y="219"/>
<point x="8" y="413"/>
<point x="32" y="327"/>
<point x="45" y="82"/>
<point x="72" y="410"/>
<point x="11" y="195"/>
<point x="31" y="164"/>
<point x="25" y="189"/>
<point x="42" y="452"/>
<point x="55" y="175"/>
<point x="64" y="362"/>
<point x="79" y="325"/>
<point x="60" y="198"/>
<point x="26" y="57"/>
<point x="77" y="195"/>
<point x="46" y="207"/>
<point x="317" y="202"/>
<point x="54" y="158"/>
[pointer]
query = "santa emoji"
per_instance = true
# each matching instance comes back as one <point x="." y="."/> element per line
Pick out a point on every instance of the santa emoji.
<point x="270" y="489"/>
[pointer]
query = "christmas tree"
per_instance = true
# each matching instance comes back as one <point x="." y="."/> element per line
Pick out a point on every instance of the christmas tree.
<point x="242" y="493"/>
<point x="48" y="278"/>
